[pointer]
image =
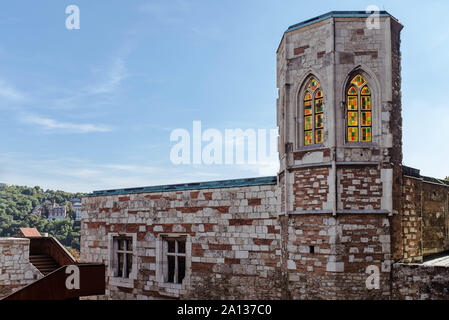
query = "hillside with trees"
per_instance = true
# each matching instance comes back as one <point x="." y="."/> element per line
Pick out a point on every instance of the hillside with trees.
<point x="17" y="204"/>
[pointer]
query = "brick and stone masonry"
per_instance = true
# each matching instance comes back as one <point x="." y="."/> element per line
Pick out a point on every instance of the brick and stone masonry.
<point x="335" y="208"/>
<point x="233" y="235"/>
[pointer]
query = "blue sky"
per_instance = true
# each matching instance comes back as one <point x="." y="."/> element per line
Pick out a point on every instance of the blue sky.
<point x="93" y="108"/>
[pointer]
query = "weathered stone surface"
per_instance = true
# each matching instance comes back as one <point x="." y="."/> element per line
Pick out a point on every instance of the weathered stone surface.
<point x="16" y="271"/>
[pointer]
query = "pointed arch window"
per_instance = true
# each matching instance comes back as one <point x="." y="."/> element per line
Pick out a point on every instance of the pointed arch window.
<point x="313" y="113"/>
<point x="359" y="112"/>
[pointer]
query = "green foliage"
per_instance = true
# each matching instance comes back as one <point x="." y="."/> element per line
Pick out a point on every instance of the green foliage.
<point x="17" y="204"/>
<point x="447" y="178"/>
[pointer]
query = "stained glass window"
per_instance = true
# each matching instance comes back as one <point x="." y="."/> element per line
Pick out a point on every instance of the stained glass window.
<point x="313" y="113"/>
<point x="359" y="113"/>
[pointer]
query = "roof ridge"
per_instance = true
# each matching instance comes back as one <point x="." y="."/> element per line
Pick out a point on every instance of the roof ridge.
<point x="229" y="183"/>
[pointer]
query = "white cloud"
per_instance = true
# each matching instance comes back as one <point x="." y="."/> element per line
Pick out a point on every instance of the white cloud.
<point x="114" y="76"/>
<point x="51" y="124"/>
<point x="82" y="175"/>
<point x="10" y="93"/>
<point x="132" y="168"/>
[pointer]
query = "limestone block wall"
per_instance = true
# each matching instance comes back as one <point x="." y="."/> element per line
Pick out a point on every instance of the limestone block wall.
<point x="16" y="271"/>
<point x="233" y="241"/>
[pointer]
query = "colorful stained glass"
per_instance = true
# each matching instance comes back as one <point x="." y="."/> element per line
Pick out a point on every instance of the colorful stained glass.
<point x="353" y="119"/>
<point x="365" y="91"/>
<point x="319" y="106"/>
<point x="366" y="102"/>
<point x="307" y="108"/>
<point x="313" y="84"/>
<point x="319" y="120"/>
<point x="366" y="119"/>
<point x="352" y="91"/>
<point x="308" y="123"/>
<point x="353" y="135"/>
<point x="359" y="109"/>
<point x="313" y="113"/>
<point x="352" y="103"/>
<point x="358" y="80"/>
<point x="319" y="136"/>
<point x="366" y="134"/>
<point x="307" y="138"/>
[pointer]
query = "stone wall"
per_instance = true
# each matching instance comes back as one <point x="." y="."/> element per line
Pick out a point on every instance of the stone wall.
<point x="360" y="188"/>
<point x="435" y="218"/>
<point x="310" y="188"/>
<point x="233" y="239"/>
<point x="420" y="282"/>
<point x="16" y="271"/>
<point x="328" y="256"/>
<point x="425" y="218"/>
<point x="411" y="220"/>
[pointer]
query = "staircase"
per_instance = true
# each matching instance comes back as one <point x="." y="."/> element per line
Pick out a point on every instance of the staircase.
<point x="50" y="257"/>
<point x="44" y="263"/>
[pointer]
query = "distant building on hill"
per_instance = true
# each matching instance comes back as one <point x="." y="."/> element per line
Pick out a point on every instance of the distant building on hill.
<point x="56" y="212"/>
<point x="76" y="203"/>
<point x="50" y="210"/>
<point x="39" y="209"/>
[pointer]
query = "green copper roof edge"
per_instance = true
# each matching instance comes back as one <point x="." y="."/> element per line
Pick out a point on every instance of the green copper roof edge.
<point x="336" y="14"/>
<point x="248" y="182"/>
<point x="333" y="14"/>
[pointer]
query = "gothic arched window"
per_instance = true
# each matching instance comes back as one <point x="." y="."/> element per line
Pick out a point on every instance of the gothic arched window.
<point x="313" y="113"/>
<point x="359" y="124"/>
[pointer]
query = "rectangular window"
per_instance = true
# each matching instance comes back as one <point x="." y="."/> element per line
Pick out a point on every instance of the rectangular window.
<point x="123" y="253"/>
<point x="175" y="257"/>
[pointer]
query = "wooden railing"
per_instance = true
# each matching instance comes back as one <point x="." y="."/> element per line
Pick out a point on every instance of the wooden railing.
<point x="54" y="286"/>
<point x="52" y="247"/>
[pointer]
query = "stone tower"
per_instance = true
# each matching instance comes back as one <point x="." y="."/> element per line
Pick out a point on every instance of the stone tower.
<point x="340" y="149"/>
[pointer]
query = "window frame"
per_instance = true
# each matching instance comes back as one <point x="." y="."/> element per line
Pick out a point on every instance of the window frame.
<point x="301" y="116"/>
<point x="359" y="96"/>
<point x="112" y="261"/>
<point x="125" y="253"/>
<point x="176" y="254"/>
<point x="169" y="288"/>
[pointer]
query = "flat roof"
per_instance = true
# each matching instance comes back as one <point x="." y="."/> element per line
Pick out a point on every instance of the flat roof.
<point x="247" y="182"/>
<point x="413" y="172"/>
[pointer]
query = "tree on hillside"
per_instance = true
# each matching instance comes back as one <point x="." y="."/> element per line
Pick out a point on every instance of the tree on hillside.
<point x="16" y="207"/>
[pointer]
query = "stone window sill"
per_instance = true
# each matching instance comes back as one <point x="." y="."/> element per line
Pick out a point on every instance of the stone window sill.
<point x="311" y="147"/>
<point x="170" y="285"/>
<point x="169" y="289"/>
<point x="121" y="282"/>
<point x="360" y="144"/>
